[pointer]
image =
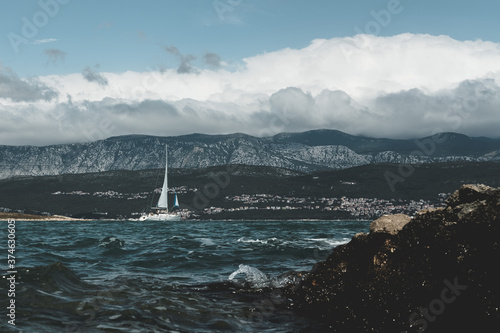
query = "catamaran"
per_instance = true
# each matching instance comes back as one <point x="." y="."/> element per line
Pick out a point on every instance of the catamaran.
<point x="161" y="209"/>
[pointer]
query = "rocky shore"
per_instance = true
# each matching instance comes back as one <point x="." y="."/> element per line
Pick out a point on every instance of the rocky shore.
<point x="435" y="272"/>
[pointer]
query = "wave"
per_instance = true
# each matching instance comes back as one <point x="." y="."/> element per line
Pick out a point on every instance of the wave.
<point x="253" y="276"/>
<point x="270" y="240"/>
<point x="256" y="279"/>
<point x="55" y="299"/>
<point x="51" y="278"/>
<point x="332" y="242"/>
<point x="111" y="242"/>
<point x="206" y="242"/>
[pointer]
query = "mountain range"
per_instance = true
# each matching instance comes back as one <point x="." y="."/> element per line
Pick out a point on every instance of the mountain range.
<point x="305" y="152"/>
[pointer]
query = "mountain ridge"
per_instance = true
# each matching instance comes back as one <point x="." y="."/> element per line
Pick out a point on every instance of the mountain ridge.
<point x="304" y="152"/>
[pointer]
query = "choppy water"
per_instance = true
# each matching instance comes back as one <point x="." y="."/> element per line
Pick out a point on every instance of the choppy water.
<point x="189" y="276"/>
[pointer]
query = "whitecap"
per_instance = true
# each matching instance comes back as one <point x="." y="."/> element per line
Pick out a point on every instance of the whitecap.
<point x="206" y="241"/>
<point x="333" y="242"/>
<point x="255" y="277"/>
<point x="161" y="308"/>
<point x="260" y="241"/>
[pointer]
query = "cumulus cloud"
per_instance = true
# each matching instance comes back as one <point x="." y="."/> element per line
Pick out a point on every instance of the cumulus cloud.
<point x="362" y="66"/>
<point x="403" y="86"/>
<point x="18" y="90"/>
<point x="470" y="108"/>
<point x="90" y="75"/>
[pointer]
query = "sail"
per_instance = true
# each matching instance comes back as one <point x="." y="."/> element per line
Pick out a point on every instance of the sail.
<point x="176" y="201"/>
<point x="163" y="201"/>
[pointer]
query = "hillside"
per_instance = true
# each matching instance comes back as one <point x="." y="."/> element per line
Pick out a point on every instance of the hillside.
<point x="120" y="193"/>
<point x="305" y="152"/>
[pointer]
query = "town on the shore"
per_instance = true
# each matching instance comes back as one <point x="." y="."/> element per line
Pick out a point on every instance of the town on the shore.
<point x="355" y="208"/>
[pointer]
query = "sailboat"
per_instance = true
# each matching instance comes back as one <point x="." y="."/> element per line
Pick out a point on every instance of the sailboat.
<point x="161" y="209"/>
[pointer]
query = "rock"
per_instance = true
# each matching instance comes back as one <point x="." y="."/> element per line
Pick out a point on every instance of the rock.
<point x="360" y="235"/>
<point x="111" y="242"/>
<point x="437" y="274"/>
<point x="468" y="193"/>
<point x="390" y="224"/>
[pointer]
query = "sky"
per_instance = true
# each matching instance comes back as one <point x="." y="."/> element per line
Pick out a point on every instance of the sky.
<point x="85" y="70"/>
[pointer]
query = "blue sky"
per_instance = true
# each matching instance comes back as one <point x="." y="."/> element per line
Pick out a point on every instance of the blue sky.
<point x="131" y="34"/>
<point x="221" y="66"/>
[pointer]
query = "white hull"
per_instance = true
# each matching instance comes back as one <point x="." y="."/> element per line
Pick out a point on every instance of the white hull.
<point x="160" y="217"/>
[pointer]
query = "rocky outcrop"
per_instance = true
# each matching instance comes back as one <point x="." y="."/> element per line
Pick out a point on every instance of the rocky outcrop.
<point x="439" y="273"/>
<point x="390" y="224"/>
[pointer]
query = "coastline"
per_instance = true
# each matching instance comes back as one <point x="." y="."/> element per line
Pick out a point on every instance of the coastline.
<point x="31" y="217"/>
<point x="38" y="218"/>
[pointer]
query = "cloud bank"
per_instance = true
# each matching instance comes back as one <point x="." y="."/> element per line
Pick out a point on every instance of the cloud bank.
<point x="14" y="89"/>
<point x="404" y="86"/>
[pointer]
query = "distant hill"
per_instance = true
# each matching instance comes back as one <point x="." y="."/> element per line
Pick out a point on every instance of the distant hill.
<point x="120" y="193"/>
<point x="305" y="152"/>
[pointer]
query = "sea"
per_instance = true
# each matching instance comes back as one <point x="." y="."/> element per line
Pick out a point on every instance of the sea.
<point x="188" y="276"/>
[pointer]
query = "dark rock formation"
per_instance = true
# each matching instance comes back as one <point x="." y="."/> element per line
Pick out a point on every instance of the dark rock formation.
<point x="438" y="274"/>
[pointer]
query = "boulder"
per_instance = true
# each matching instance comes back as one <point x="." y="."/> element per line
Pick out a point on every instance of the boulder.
<point x="390" y="224"/>
<point x="469" y="193"/>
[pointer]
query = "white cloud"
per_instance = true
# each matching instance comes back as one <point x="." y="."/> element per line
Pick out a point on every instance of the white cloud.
<point x="43" y="41"/>
<point x="401" y="86"/>
<point x="362" y="66"/>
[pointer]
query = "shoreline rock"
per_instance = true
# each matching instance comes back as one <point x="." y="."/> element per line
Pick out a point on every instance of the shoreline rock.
<point x="434" y="273"/>
<point x="390" y="224"/>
